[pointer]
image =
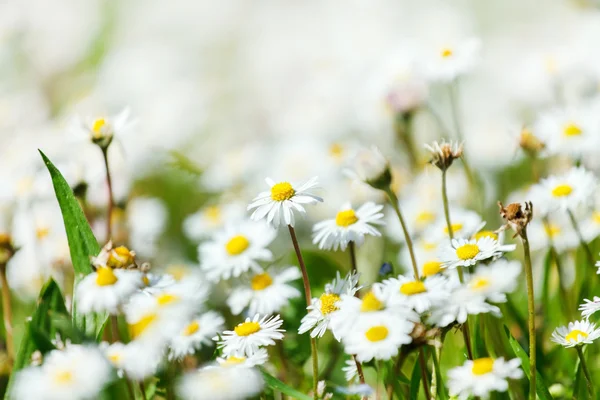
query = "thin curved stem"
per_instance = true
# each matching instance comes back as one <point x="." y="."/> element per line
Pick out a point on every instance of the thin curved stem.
<point x="530" y="313"/>
<point x="394" y="202"/>
<point x="111" y="202"/>
<point x="7" y="314"/>
<point x="582" y="242"/>
<point x="586" y="371"/>
<point x="352" y="251"/>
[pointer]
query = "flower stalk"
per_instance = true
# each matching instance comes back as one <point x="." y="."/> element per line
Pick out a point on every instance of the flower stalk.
<point x="530" y="313"/>
<point x="110" y="194"/>
<point x="586" y="371"/>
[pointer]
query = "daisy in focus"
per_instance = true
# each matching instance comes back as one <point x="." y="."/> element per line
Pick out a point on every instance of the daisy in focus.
<point x="590" y="307"/>
<point x="246" y="338"/>
<point x="106" y="289"/>
<point x="221" y="382"/>
<point x="278" y="204"/>
<point x="576" y="333"/>
<point x="266" y="292"/>
<point x="102" y="130"/>
<point x="467" y="252"/>
<point x="195" y="335"/>
<point x="482" y="376"/>
<point x="236" y="249"/>
<point x="349" y="225"/>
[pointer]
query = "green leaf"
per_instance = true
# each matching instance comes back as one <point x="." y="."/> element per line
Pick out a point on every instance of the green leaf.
<point x="441" y="389"/>
<point x="82" y="245"/>
<point x="39" y="328"/>
<point x="540" y="387"/>
<point x="415" y="380"/>
<point x="279" y="386"/>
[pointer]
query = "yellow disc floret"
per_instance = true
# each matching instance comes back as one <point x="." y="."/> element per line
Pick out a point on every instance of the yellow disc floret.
<point x="371" y="303"/>
<point x="261" y="281"/>
<point x="97" y="127"/>
<point x="120" y="257"/>
<point x="467" y="251"/>
<point x="414" y="287"/>
<point x="447" y="52"/>
<point x="282" y="191"/>
<point x="455" y="228"/>
<point x="105" y="276"/>
<point x="572" y="130"/>
<point x="483" y="366"/>
<point x="328" y="301"/>
<point x="377" y="333"/>
<point x="237" y="245"/>
<point x="191" y="329"/>
<point x="63" y="377"/>
<point x="480" y="283"/>
<point x="247" y="328"/>
<point x="233" y="360"/>
<point x="431" y="268"/>
<point x="484" y="234"/>
<point x="164" y="299"/>
<point x="574" y="335"/>
<point x="552" y="230"/>
<point x="425" y="217"/>
<point x="346" y="218"/>
<point x="213" y="214"/>
<point x="562" y="190"/>
<point x="140" y="327"/>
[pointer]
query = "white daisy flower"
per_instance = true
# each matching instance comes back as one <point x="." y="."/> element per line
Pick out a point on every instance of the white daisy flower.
<point x="495" y="280"/>
<point x="420" y="295"/>
<point x="419" y="214"/>
<point x="349" y="225"/>
<point x="77" y="372"/>
<point x="258" y="358"/>
<point x="564" y="192"/>
<point x="590" y="307"/>
<point x="350" y="370"/>
<point x="427" y="256"/>
<point x="188" y="294"/>
<point x="102" y="130"/>
<point x="319" y="312"/>
<point x="590" y="227"/>
<point x="266" y="292"/>
<point x="464" y="223"/>
<point x="136" y="360"/>
<point x="106" y="289"/>
<point x="452" y="60"/>
<point x="371" y="167"/>
<point x="555" y="229"/>
<point x="235" y="250"/>
<point x="467" y="252"/>
<point x="247" y="337"/>
<point x="378" y="337"/>
<point x="576" y="333"/>
<point x="210" y="219"/>
<point x="278" y="204"/>
<point x="196" y="334"/>
<point x="155" y="283"/>
<point x="481" y="376"/>
<point x="220" y="383"/>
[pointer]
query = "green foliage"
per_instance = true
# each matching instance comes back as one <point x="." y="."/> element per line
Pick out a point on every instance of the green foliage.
<point x="276" y="385"/>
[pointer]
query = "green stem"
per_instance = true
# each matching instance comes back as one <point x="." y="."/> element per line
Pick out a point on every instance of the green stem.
<point x="307" y="294"/>
<point x="7" y="314"/>
<point x="352" y="251"/>
<point x="404" y="131"/>
<point x="397" y="368"/>
<point x="530" y="313"/>
<point x="111" y="201"/>
<point x="586" y="371"/>
<point x="561" y="289"/>
<point x="584" y="245"/>
<point x="393" y="199"/>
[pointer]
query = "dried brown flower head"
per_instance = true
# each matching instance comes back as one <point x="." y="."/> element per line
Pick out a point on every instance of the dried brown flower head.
<point x="444" y="153"/>
<point x="516" y="215"/>
<point x="115" y="257"/>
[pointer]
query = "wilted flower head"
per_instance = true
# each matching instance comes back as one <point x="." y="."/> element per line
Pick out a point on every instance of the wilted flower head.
<point x="444" y="153"/>
<point x="517" y="215"/>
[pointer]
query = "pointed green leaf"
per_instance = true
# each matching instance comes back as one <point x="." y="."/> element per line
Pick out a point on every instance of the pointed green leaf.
<point x="415" y="380"/>
<point x="276" y="384"/>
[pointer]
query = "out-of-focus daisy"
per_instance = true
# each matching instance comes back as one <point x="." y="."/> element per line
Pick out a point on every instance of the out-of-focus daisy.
<point x="246" y="338"/>
<point x="350" y="370"/>
<point x="556" y="230"/>
<point x="267" y="292"/>
<point x="576" y="333"/>
<point x="590" y="226"/>
<point x="371" y="167"/>
<point x="258" y="358"/>
<point x="495" y="280"/>
<point x="106" y="289"/>
<point x="236" y="249"/>
<point x="319" y="312"/>
<point x="102" y="130"/>
<point x="197" y="333"/>
<point x="349" y="225"/>
<point x="278" y="204"/>
<point x="481" y="376"/>
<point x="420" y="295"/>
<point x="138" y="361"/>
<point x="590" y="307"/>
<point x="444" y="153"/>
<point x="210" y="219"/>
<point x="427" y="255"/>
<point x="420" y="214"/>
<point x="146" y="221"/>
<point x="77" y="372"/>
<point x="465" y="223"/>
<point x="220" y="383"/>
<point x="466" y="252"/>
<point x="564" y="192"/>
<point x="447" y="62"/>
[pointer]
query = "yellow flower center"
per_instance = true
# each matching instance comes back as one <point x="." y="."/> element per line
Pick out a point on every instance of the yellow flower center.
<point x="552" y="230"/>
<point x="467" y="251"/>
<point x="166" y="299"/>
<point x="455" y="228"/>
<point x="97" y="127"/>
<point x="447" y="52"/>
<point x="178" y="271"/>
<point x="105" y="276"/>
<point x="562" y="190"/>
<point x="213" y="213"/>
<point x="425" y="217"/>
<point x="428" y="246"/>
<point x="431" y="268"/>
<point x="233" y="360"/>
<point x="145" y="280"/>
<point x="370" y="303"/>
<point x="484" y="234"/>
<point x="282" y="191"/>
<point x="336" y="150"/>
<point x="63" y="377"/>
<point x="376" y="333"/>
<point x="191" y="329"/>
<point x="480" y="283"/>
<point x="120" y="257"/>
<point x="237" y="245"/>
<point x="261" y="281"/>
<point x="247" y="328"/>
<point x="574" y="334"/>
<point x="572" y="130"/>
<point x="328" y="301"/>
<point x="114" y="358"/>
<point x="596" y="217"/>
<point x="42" y="232"/>
<point x="414" y="287"/>
<point x="139" y="327"/>
<point x="483" y="366"/>
<point x="346" y="218"/>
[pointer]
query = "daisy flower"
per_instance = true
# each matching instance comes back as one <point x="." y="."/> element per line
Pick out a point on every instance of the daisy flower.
<point x="266" y="292"/>
<point x="452" y="60"/>
<point x="465" y="223"/>
<point x="102" y="130"/>
<point x="419" y="295"/>
<point x="564" y="192"/>
<point x="420" y="214"/>
<point x="590" y="227"/>
<point x="106" y="289"/>
<point x="196" y="334"/>
<point x="427" y="255"/>
<point x="114" y="257"/>
<point x="210" y="219"/>
<point x="467" y="252"/>
<point x="235" y="250"/>
<point x="481" y="376"/>
<point x="277" y="205"/>
<point x="319" y="312"/>
<point x="495" y="280"/>
<point x="247" y="337"/>
<point x="556" y="229"/>
<point x="371" y="167"/>
<point x="136" y="360"/>
<point x="258" y="358"/>
<point x="77" y="372"/>
<point x="576" y="333"/>
<point x="349" y="225"/>
<point x="378" y="337"/>
<point x="223" y="383"/>
<point x="590" y="307"/>
<point x="350" y="370"/>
